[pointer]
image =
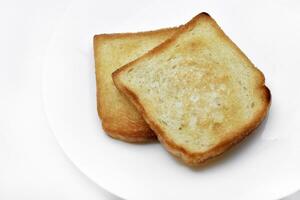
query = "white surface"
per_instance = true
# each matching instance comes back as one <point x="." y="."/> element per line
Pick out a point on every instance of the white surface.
<point x="32" y="165"/>
<point x="265" y="166"/>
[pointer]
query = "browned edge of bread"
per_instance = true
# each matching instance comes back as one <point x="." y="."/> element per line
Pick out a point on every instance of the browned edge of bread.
<point x="194" y="158"/>
<point x="133" y="132"/>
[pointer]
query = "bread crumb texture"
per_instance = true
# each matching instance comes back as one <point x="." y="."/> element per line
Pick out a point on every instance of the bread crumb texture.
<point x="200" y="89"/>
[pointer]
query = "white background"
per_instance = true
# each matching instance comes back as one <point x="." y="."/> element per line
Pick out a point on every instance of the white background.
<point x="32" y="165"/>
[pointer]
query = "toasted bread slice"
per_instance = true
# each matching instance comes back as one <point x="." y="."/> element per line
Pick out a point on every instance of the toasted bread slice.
<point x="119" y="118"/>
<point x="197" y="91"/>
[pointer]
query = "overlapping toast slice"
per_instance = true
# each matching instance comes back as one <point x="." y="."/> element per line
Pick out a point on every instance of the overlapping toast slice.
<point x="197" y="91"/>
<point x="119" y="118"/>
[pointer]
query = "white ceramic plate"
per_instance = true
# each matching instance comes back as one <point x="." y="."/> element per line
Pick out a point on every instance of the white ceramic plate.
<point x="265" y="166"/>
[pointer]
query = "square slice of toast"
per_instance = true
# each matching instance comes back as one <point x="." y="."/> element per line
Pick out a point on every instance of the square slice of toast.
<point x="198" y="91"/>
<point x="119" y="117"/>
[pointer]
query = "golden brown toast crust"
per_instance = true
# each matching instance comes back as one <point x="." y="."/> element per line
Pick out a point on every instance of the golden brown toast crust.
<point x="194" y="158"/>
<point x="119" y="123"/>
